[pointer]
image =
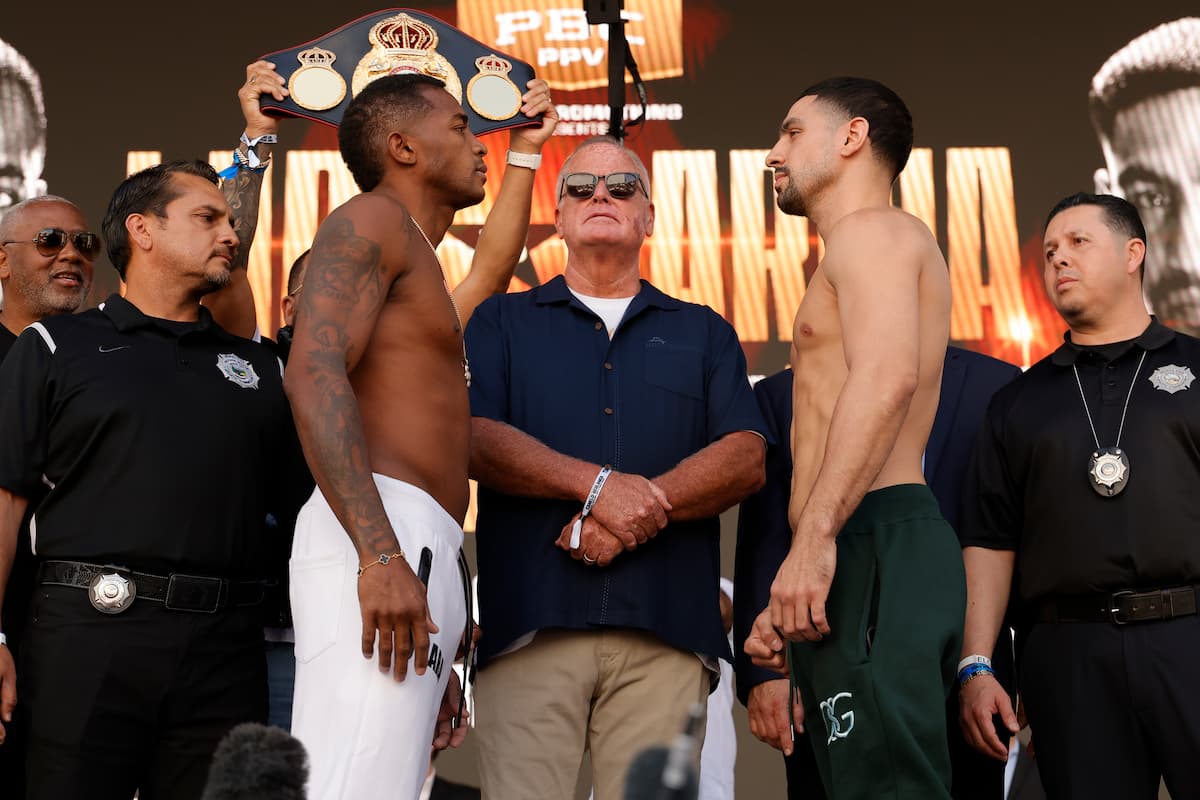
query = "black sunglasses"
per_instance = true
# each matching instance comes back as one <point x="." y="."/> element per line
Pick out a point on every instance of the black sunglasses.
<point x="50" y="242"/>
<point x="621" y="185"/>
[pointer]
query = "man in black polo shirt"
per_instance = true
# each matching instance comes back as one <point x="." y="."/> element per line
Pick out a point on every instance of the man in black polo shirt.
<point x="46" y="254"/>
<point x="598" y="637"/>
<point x="158" y="434"/>
<point x="1085" y="477"/>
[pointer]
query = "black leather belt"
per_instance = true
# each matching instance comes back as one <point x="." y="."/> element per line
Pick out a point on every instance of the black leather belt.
<point x="1121" y="608"/>
<point x="113" y="589"/>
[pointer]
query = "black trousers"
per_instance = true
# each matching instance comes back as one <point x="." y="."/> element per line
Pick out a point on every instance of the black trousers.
<point x="803" y="777"/>
<point x="1114" y="708"/>
<point x="16" y="613"/>
<point x="133" y="701"/>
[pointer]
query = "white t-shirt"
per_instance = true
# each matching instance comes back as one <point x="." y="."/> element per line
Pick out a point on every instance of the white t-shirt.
<point x="609" y="309"/>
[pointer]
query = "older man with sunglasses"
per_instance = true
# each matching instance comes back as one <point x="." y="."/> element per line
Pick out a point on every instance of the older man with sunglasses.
<point x="46" y="255"/>
<point x="611" y="424"/>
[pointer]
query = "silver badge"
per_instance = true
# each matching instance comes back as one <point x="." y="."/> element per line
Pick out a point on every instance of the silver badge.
<point x="238" y="370"/>
<point x="1172" y="378"/>
<point x="111" y="593"/>
<point x="1109" y="471"/>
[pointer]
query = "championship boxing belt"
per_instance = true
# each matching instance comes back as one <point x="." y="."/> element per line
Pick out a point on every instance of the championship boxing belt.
<point x="324" y="75"/>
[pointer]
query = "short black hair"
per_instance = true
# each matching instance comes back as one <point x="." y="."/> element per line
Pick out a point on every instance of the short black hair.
<point x="1120" y="215"/>
<point x="296" y="273"/>
<point x="382" y="107"/>
<point x="147" y="192"/>
<point x="890" y="123"/>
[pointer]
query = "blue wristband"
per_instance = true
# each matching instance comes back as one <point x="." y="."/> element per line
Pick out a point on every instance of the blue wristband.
<point x="972" y="670"/>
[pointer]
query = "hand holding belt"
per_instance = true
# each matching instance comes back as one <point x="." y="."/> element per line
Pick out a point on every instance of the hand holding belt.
<point x="324" y="75"/>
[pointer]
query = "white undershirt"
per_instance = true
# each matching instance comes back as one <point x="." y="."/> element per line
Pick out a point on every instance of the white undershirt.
<point x="609" y="309"/>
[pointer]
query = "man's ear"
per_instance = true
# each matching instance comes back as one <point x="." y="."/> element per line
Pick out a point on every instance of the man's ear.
<point x="400" y="148"/>
<point x="5" y="267"/>
<point x="136" y="225"/>
<point x="855" y="134"/>
<point x="1135" y="255"/>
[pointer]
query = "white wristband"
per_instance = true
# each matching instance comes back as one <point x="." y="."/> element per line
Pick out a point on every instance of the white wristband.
<point x="252" y="154"/>
<point x="3" y="640"/>
<point x="975" y="659"/>
<point x="593" y="495"/>
<point x="527" y="160"/>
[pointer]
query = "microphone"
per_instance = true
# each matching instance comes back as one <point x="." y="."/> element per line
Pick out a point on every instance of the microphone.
<point x="669" y="773"/>
<point x="257" y="762"/>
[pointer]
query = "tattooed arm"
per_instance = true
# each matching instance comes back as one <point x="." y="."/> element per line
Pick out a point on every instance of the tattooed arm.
<point x="349" y="272"/>
<point x="233" y="306"/>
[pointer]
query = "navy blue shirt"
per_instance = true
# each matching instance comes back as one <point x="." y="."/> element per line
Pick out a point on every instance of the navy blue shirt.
<point x="670" y="382"/>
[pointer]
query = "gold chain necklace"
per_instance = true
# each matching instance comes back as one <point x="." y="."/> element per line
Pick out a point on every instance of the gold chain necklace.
<point x="446" y="284"/>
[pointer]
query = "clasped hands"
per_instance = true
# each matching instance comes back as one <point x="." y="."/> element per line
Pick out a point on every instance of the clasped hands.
<point x="629" y="512"/>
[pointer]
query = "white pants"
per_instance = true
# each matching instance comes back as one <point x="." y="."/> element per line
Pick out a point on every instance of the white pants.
<point x="368" y="737"/>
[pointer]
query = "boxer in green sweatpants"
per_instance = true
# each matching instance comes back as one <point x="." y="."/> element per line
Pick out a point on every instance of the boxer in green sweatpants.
<point x="874" y="688"/>
<point x="871" y="592"/>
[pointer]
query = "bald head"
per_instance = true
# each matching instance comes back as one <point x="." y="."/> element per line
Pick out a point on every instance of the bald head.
<point x="13" y="217"/>
<point x="608" y="142"/>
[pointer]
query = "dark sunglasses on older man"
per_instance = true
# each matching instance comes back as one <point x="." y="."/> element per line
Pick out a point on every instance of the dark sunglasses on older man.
<point x="50" y="242"/>
<point x="621" y="185"/>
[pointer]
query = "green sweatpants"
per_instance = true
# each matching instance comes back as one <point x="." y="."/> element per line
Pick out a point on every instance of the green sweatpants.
<point x="875" y="689"/>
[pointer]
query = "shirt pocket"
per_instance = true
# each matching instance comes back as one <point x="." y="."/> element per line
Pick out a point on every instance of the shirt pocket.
<point x="676" y="369"/>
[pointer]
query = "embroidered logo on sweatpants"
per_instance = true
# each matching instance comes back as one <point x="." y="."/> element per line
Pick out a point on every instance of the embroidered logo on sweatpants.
<point x="839" y="727"/>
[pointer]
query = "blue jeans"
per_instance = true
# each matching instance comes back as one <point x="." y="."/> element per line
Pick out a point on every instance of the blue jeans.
<point x="281" y="682"/>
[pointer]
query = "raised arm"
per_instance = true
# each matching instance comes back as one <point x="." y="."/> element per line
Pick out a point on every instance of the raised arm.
<point x="345" y="287"/>
<point x="874" y="266"/>
<point x="233" y="306"/>
<point x="503" y="236"/>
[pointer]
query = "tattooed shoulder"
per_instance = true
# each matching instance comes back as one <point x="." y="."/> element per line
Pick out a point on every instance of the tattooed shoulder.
<point x="344" y="266"/>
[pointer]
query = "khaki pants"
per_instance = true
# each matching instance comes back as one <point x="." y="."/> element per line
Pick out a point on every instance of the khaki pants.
<point x="613" y="692"/>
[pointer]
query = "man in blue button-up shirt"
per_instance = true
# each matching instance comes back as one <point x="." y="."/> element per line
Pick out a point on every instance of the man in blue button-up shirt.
<point x="601" y="625"/>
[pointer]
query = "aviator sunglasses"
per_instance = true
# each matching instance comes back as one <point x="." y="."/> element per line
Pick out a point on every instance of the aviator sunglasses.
<point x="50" y="242"/>
<point x="582" y="185"/>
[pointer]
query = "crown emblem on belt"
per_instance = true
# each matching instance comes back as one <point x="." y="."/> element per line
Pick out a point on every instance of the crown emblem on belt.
<point x="316" y="57"/>
<point x="403" y="35"/>
<point x="404" y="44"/>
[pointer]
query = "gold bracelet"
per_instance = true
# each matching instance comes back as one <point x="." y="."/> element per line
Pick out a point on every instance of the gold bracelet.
<point x="384" y="558"/>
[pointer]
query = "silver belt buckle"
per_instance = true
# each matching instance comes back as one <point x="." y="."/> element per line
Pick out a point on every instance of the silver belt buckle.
<point x="111" y="593"/>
